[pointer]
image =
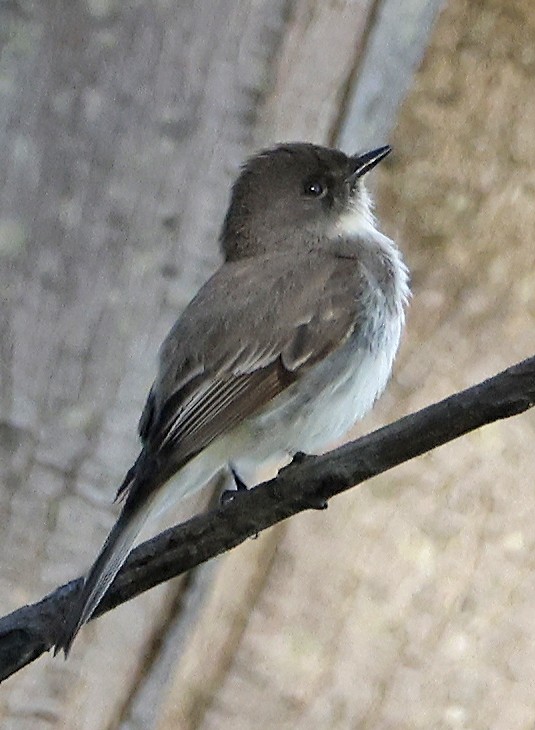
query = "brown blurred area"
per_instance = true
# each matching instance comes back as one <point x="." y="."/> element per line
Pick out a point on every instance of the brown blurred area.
<point x="409" y="602"/>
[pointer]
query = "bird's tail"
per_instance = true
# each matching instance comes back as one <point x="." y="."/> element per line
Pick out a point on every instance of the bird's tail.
<point x="104" y="570"/>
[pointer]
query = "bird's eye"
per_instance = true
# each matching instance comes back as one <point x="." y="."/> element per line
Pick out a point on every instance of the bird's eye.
<point x="315" y="189"/>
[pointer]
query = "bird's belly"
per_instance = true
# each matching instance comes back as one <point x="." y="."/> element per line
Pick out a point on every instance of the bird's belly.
<point x="326" y="402"/>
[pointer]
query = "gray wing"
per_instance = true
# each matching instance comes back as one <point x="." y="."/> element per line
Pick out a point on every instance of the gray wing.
<point x="249" y="334"/>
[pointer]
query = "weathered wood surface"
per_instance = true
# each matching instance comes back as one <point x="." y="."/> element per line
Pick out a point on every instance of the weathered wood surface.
<point x="405" y="605"/>
<point x="122" y="125"/>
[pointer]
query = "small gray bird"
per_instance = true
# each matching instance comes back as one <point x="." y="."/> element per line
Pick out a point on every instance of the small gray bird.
<point x="282" y="350"/>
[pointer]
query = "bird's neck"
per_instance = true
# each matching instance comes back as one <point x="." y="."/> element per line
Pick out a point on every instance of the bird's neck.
<point x="357" y="237"/>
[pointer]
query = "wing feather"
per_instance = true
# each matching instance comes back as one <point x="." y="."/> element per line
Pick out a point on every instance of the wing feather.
<point x="223" y="362"/>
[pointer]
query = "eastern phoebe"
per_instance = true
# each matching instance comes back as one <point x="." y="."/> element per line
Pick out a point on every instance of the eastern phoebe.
<point x="282" y="350"/>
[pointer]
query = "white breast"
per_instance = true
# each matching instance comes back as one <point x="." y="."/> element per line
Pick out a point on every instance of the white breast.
<point x="339" y="392"/>
<point x="327" y="402"/>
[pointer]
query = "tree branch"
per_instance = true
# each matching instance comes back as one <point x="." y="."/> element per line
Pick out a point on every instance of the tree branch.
<point x="28" y="632"/>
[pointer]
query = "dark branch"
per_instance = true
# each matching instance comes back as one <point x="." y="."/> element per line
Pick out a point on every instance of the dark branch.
<point x="309" y="481"/>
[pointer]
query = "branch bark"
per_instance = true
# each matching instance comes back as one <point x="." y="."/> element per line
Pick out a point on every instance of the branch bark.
<point x="309" y="481"/>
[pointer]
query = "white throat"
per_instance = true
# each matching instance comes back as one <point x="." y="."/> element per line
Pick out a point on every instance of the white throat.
<point x="357" y="220"/>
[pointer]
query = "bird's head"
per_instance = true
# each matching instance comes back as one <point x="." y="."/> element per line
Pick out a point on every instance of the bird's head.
<point x="296" y="194"/>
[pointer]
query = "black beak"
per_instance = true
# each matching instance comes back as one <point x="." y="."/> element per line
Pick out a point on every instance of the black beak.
<point x="362" y="164"/>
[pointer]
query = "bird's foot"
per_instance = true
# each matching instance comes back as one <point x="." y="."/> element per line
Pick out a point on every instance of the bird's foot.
<point x="299" y="457"/>
<point x="312" y="501"/>
<point x="229" y="494"/>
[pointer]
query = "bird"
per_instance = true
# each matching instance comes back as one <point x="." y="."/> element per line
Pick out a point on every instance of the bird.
<point x="281" y="351"/>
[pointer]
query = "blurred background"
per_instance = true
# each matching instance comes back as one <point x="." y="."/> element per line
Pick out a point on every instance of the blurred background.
<point x="409" y="602"/>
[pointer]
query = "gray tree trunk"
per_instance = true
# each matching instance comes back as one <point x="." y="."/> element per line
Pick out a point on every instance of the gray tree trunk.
<point x="406" y="605"/>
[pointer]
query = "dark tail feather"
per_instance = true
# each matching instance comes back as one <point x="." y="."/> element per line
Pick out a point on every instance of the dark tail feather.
<point x="128" y="481"/>
<point x="104" y="570"/>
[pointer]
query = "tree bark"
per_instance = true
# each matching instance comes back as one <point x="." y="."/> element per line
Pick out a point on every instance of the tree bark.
<point x="121" y="127"/>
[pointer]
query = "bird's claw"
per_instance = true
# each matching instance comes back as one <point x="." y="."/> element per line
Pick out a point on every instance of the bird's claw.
<point x="229" y="494"/>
